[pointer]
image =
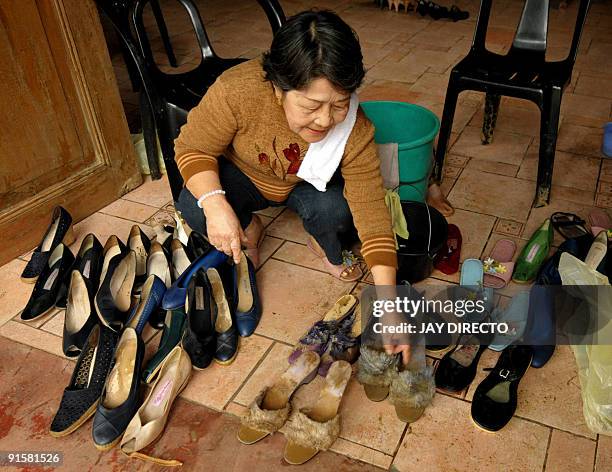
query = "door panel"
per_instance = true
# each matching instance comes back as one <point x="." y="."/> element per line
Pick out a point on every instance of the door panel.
<point x="63" y="134"/>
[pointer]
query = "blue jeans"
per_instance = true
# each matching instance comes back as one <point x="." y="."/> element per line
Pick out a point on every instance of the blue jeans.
<point x="326" y="215"/>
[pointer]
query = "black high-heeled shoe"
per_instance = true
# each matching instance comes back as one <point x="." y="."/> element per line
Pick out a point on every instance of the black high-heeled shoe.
<point x="80" y="317"/>
<point x="197" y="245"/>
<point x="225" y="327"/>
<point x="199" y="339"/>
<point x="48" y="284"/>
<point x="114" y="298"/>
<point x="495" y="399"/>
<point x="88" y="263"/>
<point x="60" y="230"/>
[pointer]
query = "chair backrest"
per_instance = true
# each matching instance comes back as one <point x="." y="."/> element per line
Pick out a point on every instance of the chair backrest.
<point x="532" y="31"/>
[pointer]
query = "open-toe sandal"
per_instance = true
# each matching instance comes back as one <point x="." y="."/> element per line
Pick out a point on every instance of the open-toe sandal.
<point x="270" y="409"/>
<point x="568" y="225"/>
<point x="316" y="428"/>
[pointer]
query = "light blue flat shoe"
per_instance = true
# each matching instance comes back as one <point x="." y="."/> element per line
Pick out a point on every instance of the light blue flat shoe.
<point x="515" y="315"/>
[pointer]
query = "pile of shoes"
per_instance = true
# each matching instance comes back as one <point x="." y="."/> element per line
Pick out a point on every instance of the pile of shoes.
<point x="109" y="294"/>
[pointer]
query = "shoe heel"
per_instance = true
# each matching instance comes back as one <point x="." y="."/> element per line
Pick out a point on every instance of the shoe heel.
<point x="69" y="237"/>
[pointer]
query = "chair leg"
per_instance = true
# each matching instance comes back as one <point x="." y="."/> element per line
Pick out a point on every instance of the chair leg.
<point x="163" y="32"/>
<point x="549" y="127"/>
<point x="490" y="117"/>
<point x="150" y="135"/>
<point x="450" y="103"/>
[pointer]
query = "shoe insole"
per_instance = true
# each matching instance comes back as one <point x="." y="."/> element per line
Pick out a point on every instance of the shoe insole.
<point x="356" y="327"/>
<point x="157" y="264"/>
<point x="157" y="402"/>
<point x="48" y="240"/>
<point x="245" y="295"/>
<point x="111" y="249"/>
<point x="341" y="308"/>
<point x="140" y="251"/>
<point x="224" y="316"/>
<point x="122" y="282"/>
<point x="180" y="261"/>
<point x="500" y="393"/>
<point x="465" y="354"/>
<point x="278" y="394"/>
<point x="120" y="377"/>
<point x="86" y="245"/>
<point x="77" y="308"/>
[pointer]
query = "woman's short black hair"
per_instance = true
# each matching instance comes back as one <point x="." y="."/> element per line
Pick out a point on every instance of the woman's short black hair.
<point x="314" y="44"/>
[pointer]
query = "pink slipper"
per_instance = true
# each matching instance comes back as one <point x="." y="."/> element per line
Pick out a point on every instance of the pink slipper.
<point x="600" y="221"/>
<point x="498" y="266"/>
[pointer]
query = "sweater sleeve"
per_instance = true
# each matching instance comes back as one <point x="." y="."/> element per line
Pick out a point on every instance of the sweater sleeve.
<point x="210" y="129"/>
<point x="365" y="194"/>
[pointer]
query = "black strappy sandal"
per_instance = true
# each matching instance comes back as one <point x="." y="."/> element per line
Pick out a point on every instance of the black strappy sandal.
<point x="568" y="225"/>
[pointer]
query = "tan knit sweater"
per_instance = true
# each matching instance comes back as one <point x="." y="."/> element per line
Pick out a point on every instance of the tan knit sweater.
<point x="240" y="118"/>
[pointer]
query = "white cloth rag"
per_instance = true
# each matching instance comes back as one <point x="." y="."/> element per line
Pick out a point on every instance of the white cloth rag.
<point x="323" y="158"/>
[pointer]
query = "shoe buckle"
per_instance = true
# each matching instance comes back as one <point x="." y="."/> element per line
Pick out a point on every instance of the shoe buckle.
<point x="504" y="373"/>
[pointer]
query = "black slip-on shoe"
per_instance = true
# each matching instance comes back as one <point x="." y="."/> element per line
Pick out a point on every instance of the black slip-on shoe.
<point x="120" y="396"/>
<point x="495" y="399"/>
<point x="60" y="230"/>
<point x="47" y="287"/>
<point x="80" y="398"/>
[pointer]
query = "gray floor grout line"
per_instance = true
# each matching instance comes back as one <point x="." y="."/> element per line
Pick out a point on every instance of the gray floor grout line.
<point x="250" y="374"/>
<point x="596" y="450"/>
<point x="550" y="431"/>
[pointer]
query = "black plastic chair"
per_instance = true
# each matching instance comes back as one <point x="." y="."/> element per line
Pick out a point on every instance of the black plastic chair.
<point x="522" y="73"/>
<point x="180" y="92"/>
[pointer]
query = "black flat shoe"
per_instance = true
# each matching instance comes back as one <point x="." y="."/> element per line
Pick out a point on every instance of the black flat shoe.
<point x="139" y="242"/>
<point x="246" y="296"/>
<point x="60" y="230"/>
<point x="114" y="297"/>
<point x="457" y="369"/>
<point x="197" y="245"/>
<point x="199" y="339"/>
<point x="120" y="398"/>
<point x="47" y="287"/>
<point x="80" y="317"/>
<point x="495" y="399"/>
<point x="81" y="396"/>
<point x="88" y="263"/>
<point x="225" y="328"/>
<point x="158" y="264"/>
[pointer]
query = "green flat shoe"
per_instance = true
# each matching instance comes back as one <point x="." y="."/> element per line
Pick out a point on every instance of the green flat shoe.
<point x="174" y="326"/>
<point x="533" y="254"/>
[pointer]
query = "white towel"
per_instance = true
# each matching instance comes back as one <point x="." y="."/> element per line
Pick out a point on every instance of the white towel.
<point x="323" y="158"/>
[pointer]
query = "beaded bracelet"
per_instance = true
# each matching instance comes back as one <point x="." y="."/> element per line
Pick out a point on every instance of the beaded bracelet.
<point x="209" y="194"/>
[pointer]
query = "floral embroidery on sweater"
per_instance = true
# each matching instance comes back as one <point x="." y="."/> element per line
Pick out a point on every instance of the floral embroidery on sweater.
<point x="293" y="154"/>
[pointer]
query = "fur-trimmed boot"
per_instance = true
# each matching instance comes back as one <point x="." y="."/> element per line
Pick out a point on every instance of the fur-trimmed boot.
<point x="375" y="372"/>
<point x="411" y="391"/>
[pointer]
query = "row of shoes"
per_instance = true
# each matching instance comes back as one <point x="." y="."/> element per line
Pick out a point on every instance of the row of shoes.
<point x="110" y="293"/>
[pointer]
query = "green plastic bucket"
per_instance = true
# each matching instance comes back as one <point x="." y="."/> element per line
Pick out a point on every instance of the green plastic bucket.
<point x="414" y="129"/>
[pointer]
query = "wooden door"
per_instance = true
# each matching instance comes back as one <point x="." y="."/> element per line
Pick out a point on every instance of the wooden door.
<point x="64" y="139"/>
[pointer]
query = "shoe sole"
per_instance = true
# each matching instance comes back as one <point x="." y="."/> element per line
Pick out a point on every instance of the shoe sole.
<point x="77" y="424"/>
<point x="29" y="281"/>
<point x="106" y="447"/>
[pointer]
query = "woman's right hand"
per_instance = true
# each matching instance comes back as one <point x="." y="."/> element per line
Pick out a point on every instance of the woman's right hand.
<point x="223" y="227"/>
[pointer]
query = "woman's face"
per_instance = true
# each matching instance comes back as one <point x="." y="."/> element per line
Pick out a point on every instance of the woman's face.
<point x="313" y="111"/>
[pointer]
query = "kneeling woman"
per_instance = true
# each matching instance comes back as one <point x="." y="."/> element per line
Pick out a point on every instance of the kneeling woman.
<point x="286" y="129"/>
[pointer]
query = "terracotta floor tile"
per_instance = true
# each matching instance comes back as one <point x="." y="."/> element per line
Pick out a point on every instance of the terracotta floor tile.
<point x="288" y="226"/>
<point x="451" y="172"/>
<point x="549" y="395"/>
<point x="311" y="294"/>
<point x="432" y="83"/>
<point x="604" y="187"/>
<point x="508" y="227"/>
<point x="447" y="185"/>
<point x="214" y="386"/>
<point x="268" y="246"/>
<point x="604" y="201"/>
<point x="507" y="148"/>
<point x="396" y="71"/>
<point x="437" y="63"/>
<point x="475" y="229"/>
<point x="155" y="193"/>
<point x="606" y="170"/>
<point x="513" y="119"/>
<point x="493" y="167"/>
<point x="569" y="453"/>
<point x="493" y="194"/>
<point x="55" y="325"/>
<point x="446" y="439"/>
<point x="570" y="170"/>
<point x="580" y="140"/>
<point x="300" y="255"/>
<point x="129" y="210"/>
<point x="387" y="90"/>
<point x="14" y="294"/>
<point x="583" y="109"/>
<point x="594" y="86"/>
<point x="266" y="374"/>
<point x="584" y="197"/>
<point x="161" y="217"/>
<point x="362" y="453"/>
<point x="604" y="454"/>
<point x="33" y="337"/>
<point x="104" y="226"/>
<point x="456" y="160"/>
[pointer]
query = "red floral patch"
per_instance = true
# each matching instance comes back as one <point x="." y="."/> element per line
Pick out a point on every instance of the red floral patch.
<point x="292" y="154"/>
<point x="263" y="158"/>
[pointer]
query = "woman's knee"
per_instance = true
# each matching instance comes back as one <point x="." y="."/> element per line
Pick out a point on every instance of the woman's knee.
<point x="330" y="214"/>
